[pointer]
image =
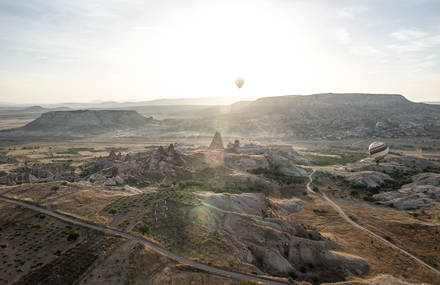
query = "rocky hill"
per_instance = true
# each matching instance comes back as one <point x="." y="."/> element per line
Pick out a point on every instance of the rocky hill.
<point x="333" y="116"/>
<point x="342" y="115"/>
<point x="82" y="122"/>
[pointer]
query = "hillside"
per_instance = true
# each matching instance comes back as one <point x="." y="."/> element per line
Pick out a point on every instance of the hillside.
<point x="332" y="116"/>
<point x="84" y="122"/>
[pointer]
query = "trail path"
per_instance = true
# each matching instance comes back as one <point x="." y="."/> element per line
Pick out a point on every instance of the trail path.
<point x="349" y="220"/>
<point x="144" y="241"/>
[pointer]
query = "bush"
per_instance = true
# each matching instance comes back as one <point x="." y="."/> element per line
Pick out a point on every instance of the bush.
<point x="319" y="212"/>
<point x="369" y="199"/>
<point x="113" y="210"/>
<point x="190" y="183"/>
<point x="64" y="183"/>
<point x="55" y="188"/>
<point x="144" y="228"/>
<point x="389" y="239"/>
<point x="3" y="245"/>
<point x="73" y="235"/>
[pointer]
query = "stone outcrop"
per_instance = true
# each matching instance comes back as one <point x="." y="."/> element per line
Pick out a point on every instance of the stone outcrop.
<point x="371" y="179"/>
<point x="40" y="172"/>
<point x="234" y="146"/>
<point x="423" y="192"/>
<point x="245" y="162"/>
<point x="158" y="166"/>
<point x="274" y="246"/>
<point x="217" y="142"/>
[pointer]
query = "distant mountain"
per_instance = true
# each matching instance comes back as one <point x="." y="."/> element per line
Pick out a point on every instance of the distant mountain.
<point x="83" y="122"/>
<point x="34" y="109"/>
<point x="194" y="101"/>
<point x="324" y="116"/>
<point x="116" y="105"/>
<point x="41" y="109"/>
<point x="329" y="116"/>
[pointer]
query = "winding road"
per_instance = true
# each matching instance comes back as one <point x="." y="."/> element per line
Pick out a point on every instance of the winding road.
<point x="349" y="220"/>
<point x="144" y="241"/>
<point x="201" y="266"/>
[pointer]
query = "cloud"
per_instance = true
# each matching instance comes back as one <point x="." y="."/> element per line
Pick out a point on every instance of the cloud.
<point x="343" y="36"/>
<point x="352" y="12"/>
<point x="408" y="34"/>
<point x="417" y="45"/>
<point x="365" y="51"/>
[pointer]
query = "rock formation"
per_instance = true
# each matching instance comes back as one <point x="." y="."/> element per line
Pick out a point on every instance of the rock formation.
<point x="422" y="192"/>
<point x="112" y="156"/>
<point x="82" y="122"/>
<point x="159" y="166"/>
<point x="217" y="142"/>
<point x="234" y="146"/>
<point x="11" y="180"/>
<point x="274" y="246"/>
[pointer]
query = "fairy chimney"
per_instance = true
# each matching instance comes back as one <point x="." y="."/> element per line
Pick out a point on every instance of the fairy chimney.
<point x="217" y="142"/>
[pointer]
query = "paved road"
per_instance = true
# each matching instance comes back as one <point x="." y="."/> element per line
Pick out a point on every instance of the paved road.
<point x="349" y="220"/>
<point x="146" y="242"/>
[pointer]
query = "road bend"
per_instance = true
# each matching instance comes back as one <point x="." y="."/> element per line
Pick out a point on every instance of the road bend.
<point x="349" y="220"/>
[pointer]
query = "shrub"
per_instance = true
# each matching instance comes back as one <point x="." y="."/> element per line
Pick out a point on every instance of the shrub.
<point x="64" y="183"/>
<point x="144" y="228"/>
<point x="354" y="193"/>
<point x="3" y="245"/>
<point x="54" y="187"/>
<point x="190" y="183"/>
<point x="369" y="199"/>
<point x="389" y="239"/>
<point x="319" y="212"/>
<point x="73" y="235"/>
<point x="113" y="210"/>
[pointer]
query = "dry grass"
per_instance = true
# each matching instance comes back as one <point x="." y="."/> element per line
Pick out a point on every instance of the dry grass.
<point x="382" y="258"/>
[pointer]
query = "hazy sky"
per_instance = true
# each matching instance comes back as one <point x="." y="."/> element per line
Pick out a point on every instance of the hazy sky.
<point x="82" y="50"/>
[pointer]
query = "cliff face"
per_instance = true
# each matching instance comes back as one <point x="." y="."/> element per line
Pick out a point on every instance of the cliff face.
<point x="325" y="116"/>
<point x="86" y="121"/>
<point x="339" y="115"/>
<point x="319" y="102"/>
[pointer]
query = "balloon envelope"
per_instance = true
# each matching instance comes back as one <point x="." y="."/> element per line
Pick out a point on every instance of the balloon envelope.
<point x="378" y="150"/>
<point x="239" y="82"/>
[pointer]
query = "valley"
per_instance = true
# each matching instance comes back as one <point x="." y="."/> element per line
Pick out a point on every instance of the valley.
<point x="221" y="209"/>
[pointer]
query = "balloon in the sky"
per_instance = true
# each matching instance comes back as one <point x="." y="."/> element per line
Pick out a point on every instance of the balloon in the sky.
<point x="239" y="82"/>
<point x="378" y="150"/>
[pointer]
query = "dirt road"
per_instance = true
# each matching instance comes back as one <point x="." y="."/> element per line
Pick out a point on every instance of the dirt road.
<point x="144" y="241"/>
<point x="349" y="220"/>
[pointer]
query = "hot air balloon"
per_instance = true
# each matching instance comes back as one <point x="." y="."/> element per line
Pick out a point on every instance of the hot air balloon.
<point x="378" y="151"/>
<point x="239" y="82"/>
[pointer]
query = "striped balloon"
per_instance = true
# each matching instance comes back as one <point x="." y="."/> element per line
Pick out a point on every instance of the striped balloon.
<point x="378" y="150"/>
